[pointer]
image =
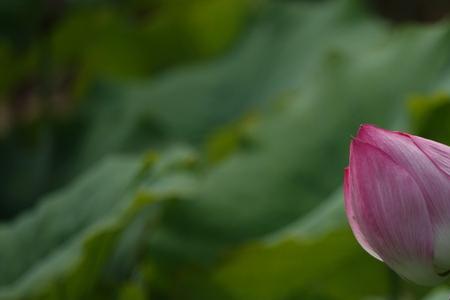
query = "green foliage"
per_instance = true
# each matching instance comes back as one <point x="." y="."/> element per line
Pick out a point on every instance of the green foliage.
<point x="98" y="42"/>
<point x="74" y="232"/>
<point x="430" y="116"/>
<point x="106" y="44"/>
<point x="294" y="269"/>
<point x="132" y="292"/>
<point x="440" y="293"/>
<point x="58" y="249"/>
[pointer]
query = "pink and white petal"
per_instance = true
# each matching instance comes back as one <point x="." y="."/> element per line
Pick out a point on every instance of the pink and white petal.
<point x="352" y="218"/>
<point x="437" y="152"/>
<point x="442" y="249"/>
<point x="392" y="214"/>
<point x="433" y="183"/>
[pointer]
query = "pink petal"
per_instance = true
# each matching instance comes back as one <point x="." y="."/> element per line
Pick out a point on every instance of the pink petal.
<point x="437" y="152"/>
<point x="391" y="212"/>
<point x="352" y="218"/>
<point x="433" y="183"/>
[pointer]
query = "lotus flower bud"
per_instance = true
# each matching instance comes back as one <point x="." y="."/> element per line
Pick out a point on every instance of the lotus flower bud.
<point x="397" y="200"/>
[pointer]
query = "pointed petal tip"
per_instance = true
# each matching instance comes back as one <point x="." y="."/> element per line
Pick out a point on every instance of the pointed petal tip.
<point x="366" y="126"/>
<point x="367" y="130"/>
<point x="378" y="137"/>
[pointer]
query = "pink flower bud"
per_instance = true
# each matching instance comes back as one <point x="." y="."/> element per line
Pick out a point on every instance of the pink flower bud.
<point x="397" y="199"/>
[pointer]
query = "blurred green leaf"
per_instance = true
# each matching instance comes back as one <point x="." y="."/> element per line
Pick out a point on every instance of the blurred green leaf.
<point x="101" y="41"/>
<point x="333" y="267"/>
<point x="430" y="116"/>
<point x="61" y="249"/>
<point x="438" y="294"/>
<point x="70" y="233"/>
<point x="113" y="43"/>
<point x="132" y="292"/>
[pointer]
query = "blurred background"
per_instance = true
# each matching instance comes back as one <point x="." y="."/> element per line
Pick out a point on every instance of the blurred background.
<point x="174" y="149"/>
